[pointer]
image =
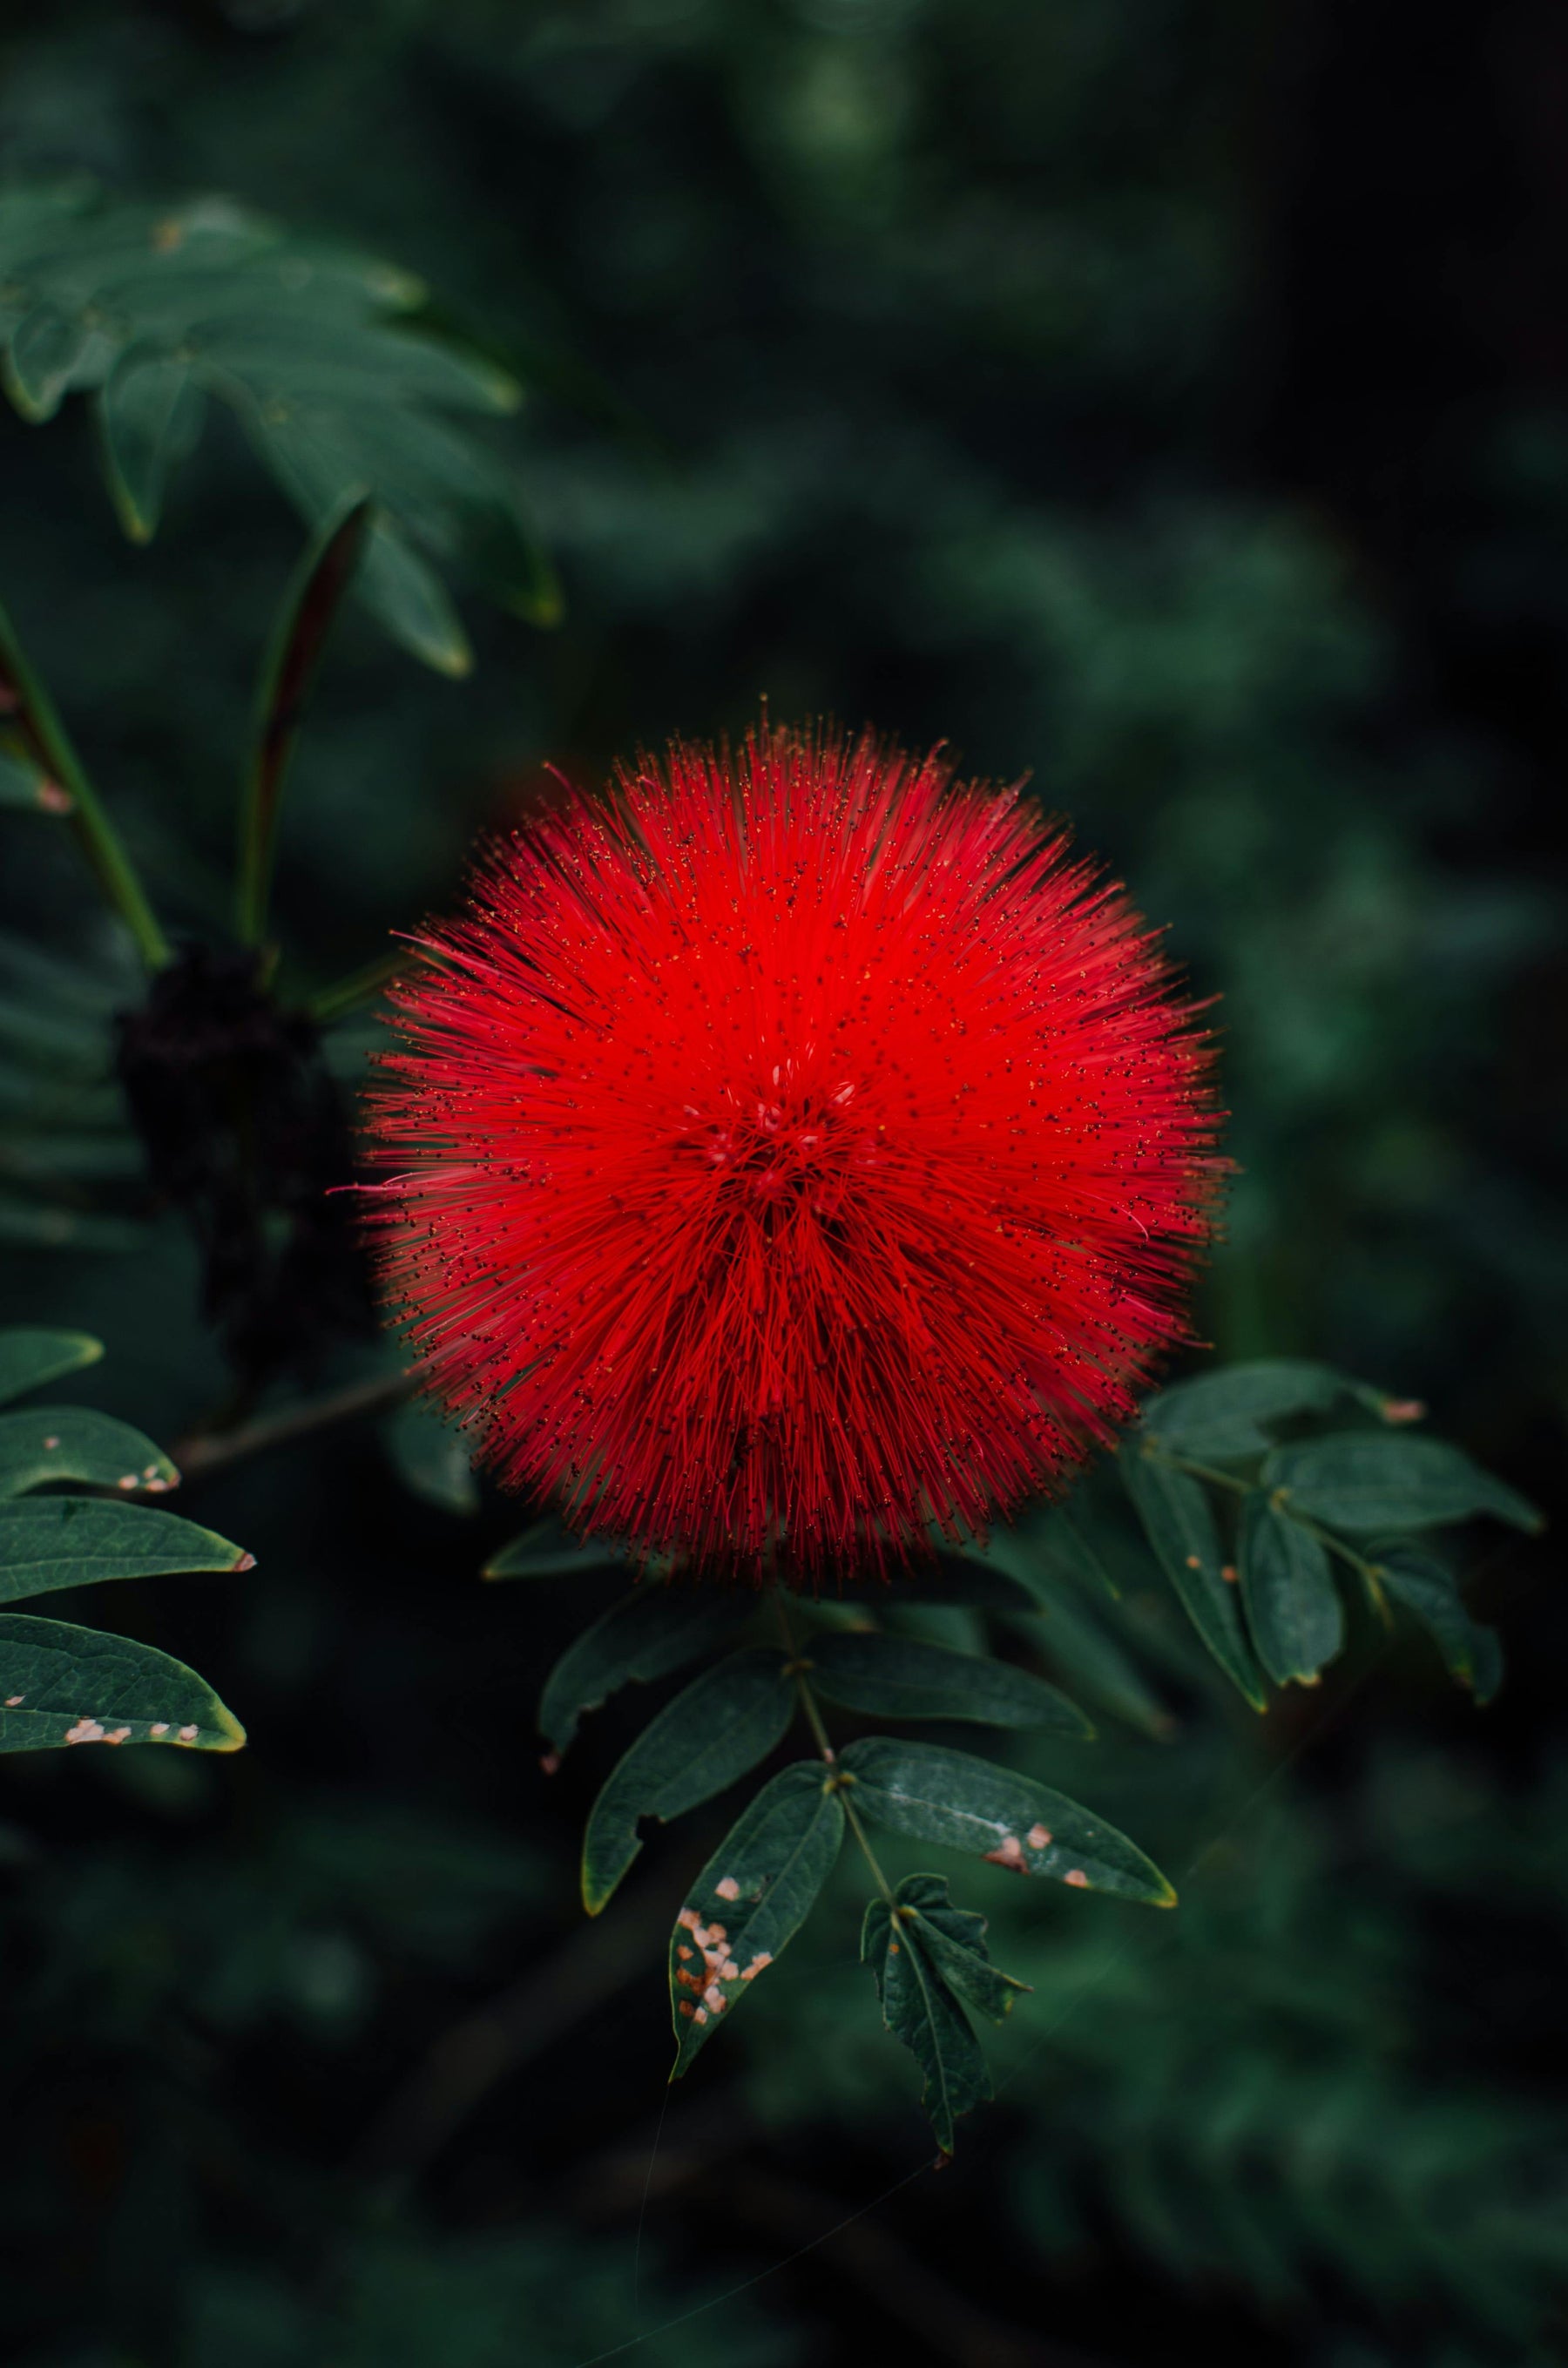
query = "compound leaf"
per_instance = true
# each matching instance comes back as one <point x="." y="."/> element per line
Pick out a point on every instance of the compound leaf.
<point x="921" y="2011"/>
<point x="52" y="1541"/>
<point x="940" y="1795"/>
<point x="30" y="1357"/>
<point x="897" y="1677"/>
<point x="751" y="1899"/>
<point x="1374" y="1480"/>
<point x="1471" y="1652"/>
<point x="548" y="1549"/>
<point x="1220" y="1414"/>
<point x="722" y="1724"/>
<point x="955" y="1939"/>
<point x="1292" y="1604"/>
<point x="1179" y="1523"/>
<point x="431" y="1458"/>
<point x="150" y="411"/>
<point x="75" y="1443"/>
<point x="649" y="1634"/>
<point x="60" y="1684"/>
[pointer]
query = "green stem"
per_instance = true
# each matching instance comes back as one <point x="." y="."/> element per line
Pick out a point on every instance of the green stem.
<point x="1206" y="1472"/>
<point x="100" y="841"/>
<point x="1365" y="1571"/>
<point x="360" y="986"/>
<point x="867" y="1852"/>
<point x="818" y="1726"/>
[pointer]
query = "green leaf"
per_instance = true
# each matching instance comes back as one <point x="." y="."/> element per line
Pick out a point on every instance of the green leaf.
<point x="30" y="1358"/>
<point x="751" y="1899"/>
<point x="74" y="1443"/>
<point x="654" y="1630"/>
<point x="53" y="1541"/>
<point x="1219" y="1414"/>
<point x="722" y="1724"/>
<point x="406" y="596"/>
<point x="42" y="360"/>
<point x="150" y="412"/>
<point x="1292" y="1604"/>
<point x="1373" y="1480"/>
<point x="955" y="1626"/>
<point x="1471" y="1652"/>
<point x="970" y="1804"/>
<point x="310" y="606"/>
<point x="1093" y="1663"/>
<point x="158" y="308"/>
<point x="1179" y="1524"/>
<point x="921" y="2011"/>
<point x="430" y="1457"/>
<point x="894" y="1677"/>
<point x="548" y="1549"/>
<point x="60" y="1684"/>
<point x="955" y="1941"/>
<point x="320" y="361"/>
<point x="1061" y="1539"/>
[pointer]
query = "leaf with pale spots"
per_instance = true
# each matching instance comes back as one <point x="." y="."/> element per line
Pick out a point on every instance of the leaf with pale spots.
<point x="649" y="1634"/>
<point x="955" y="1939"/>
<point x="1293" y="1605"/>
<point x="751" y="1899"/>
<point x="75" y="1443"/>
<point x="1371" y="1480"/>
<point x="432" y="1459"/>
<point x="1179" y="1524"/>
<point x="30" y="1357"/>
<point x="920" y="2010"/>
<point x="548" y="1549"/>
<point x="61" y="1685"/>
<point x="938" y="1795"/>
<point x="722" y="1724"/>
<point x="1471" y="1652"/>
<point x="50" y="1541"/>
<point x="1221" y="1415"/>
<point x="895" y="1677"/>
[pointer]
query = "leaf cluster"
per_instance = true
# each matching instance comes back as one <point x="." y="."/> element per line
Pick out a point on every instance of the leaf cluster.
<point x="61" y="1684"/>
<point x="155" y="312"/>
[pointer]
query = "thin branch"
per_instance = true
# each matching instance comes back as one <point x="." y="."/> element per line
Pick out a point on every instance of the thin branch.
<point x="207" y="1451"/>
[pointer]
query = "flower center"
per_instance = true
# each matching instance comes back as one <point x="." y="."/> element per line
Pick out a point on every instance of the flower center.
<point x="770" y="1155"/>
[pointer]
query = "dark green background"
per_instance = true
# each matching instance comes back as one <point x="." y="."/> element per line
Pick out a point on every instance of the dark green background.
<point x="1163" y="398"/>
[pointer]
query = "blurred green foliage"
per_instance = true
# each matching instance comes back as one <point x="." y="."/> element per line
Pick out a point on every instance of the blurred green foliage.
<point x="1130" y="394"/>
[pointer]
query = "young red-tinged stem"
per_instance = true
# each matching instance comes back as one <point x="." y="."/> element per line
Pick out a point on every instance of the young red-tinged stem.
<point x="310" y="606"/>
<point x="34" y="711"/>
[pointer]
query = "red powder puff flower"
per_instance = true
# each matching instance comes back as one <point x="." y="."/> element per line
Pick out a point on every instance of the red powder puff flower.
<point x="798" y="1156"/>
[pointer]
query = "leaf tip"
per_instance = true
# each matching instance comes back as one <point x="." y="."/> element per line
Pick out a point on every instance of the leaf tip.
<point x="245" y="1562"/>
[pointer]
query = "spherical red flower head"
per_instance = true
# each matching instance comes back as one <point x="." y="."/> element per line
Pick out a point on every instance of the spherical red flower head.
<point x="798" y="1156"/>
